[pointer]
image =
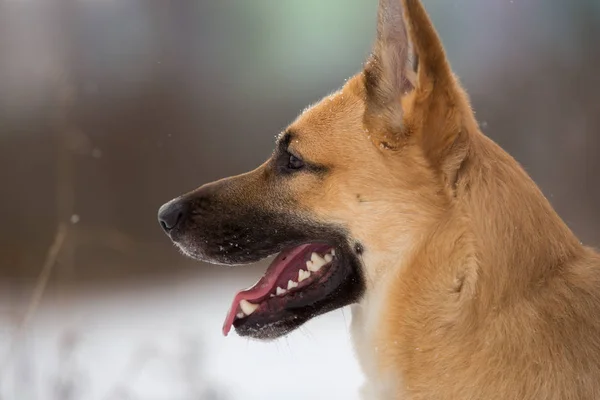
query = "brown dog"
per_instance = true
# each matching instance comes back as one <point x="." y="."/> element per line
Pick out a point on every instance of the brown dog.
<point x="465" y="282"/>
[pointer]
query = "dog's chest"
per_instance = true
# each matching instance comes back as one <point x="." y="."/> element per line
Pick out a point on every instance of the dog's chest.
<point x="379" y="384"/>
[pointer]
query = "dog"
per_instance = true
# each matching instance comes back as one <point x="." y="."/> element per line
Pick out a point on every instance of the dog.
<point x="385" y="195"/>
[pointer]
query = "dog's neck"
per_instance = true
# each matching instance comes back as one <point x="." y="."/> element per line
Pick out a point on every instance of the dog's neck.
<point x="500" y="233"/>
<point x="500" y="239"/>
<point x="518" y="240"/>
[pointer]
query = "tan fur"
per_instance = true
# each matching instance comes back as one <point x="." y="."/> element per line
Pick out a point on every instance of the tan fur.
<point x="475" y="287"/>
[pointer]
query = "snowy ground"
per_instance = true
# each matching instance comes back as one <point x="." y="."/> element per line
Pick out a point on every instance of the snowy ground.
<point x="143" y="344"/>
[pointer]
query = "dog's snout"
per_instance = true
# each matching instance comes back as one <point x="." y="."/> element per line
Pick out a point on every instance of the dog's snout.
<point x="171" y="214"/>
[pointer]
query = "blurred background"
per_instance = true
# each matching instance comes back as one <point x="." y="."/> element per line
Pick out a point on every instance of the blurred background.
<point x="109" y="108"/>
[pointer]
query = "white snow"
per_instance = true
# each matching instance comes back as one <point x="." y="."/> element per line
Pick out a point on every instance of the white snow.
<point x="140" y="344"/>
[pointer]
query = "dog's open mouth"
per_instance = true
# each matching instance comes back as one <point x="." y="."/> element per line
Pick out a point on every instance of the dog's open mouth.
<point x="298" y="277"/>
<point x="318" y="269"/>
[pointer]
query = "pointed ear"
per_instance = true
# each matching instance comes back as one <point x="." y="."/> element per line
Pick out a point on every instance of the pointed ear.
<point x="410" y="88"/>
<point x="440" y="113"/>
<point x="389" y="72"/>
<point x="433" y="69"/>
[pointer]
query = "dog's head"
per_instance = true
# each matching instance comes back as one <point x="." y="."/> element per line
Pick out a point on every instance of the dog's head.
<point x="350" y="183"/>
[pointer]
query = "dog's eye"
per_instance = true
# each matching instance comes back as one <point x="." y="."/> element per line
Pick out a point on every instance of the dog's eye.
<point x="294" y="162"/>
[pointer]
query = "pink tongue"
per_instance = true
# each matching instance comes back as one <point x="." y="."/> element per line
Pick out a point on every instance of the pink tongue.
<point x="265" y="285"/>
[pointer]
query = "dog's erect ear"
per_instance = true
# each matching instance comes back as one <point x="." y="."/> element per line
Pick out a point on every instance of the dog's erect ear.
<point x="389" y="73"/>
<point x="410" y="88"/>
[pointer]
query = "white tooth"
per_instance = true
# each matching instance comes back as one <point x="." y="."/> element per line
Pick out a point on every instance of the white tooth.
<point x="279" y="291"/>
<point x="302" y="275"/>
<point x="328" y="258"/>
<point x="333" y="252"/>
<point x="314" y="257"/>
<point x="309" y="265"/>
<point x="312" y="268"/>
<point x="240" y="315"/>
<point x="247" y="307"/>
<point x="292" y="284"/>
<point x="271" y="295"/>
<point x="317" y="262"/>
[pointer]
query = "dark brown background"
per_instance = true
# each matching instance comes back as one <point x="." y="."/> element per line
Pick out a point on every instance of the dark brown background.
<point x="108" y="109"/>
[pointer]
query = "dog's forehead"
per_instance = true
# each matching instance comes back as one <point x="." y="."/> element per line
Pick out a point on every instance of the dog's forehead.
<point x="337" y="114"/>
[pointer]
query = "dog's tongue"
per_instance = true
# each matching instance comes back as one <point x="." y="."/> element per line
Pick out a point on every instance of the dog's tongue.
<point x="265" y="285"/>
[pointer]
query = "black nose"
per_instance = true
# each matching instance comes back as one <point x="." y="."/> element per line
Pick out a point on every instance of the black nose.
<point x="171" y="214"/>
